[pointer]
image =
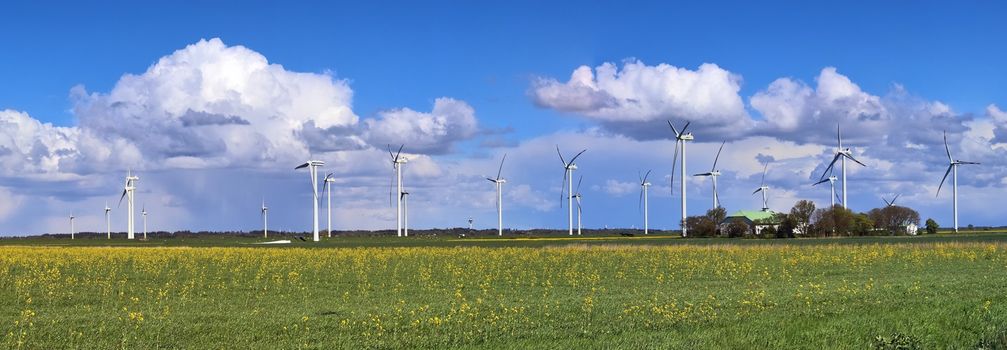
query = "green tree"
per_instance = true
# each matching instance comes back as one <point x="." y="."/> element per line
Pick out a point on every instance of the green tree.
<point x="932" y="226"/>
<point x="801" y="215"/>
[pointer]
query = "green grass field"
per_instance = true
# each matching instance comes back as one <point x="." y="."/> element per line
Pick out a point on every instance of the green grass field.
<point x="939" y="291"/>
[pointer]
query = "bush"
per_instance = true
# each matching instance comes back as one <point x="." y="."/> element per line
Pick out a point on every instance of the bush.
<point x="737" y="228"/>
<point x="932" y="226"/>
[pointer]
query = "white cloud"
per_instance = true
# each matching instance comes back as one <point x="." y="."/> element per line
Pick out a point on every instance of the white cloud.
<point x="624" y="100"/>
<point x="28" y="146"/>
<point x="435" y="132"/>
<point x="619" y="188"/>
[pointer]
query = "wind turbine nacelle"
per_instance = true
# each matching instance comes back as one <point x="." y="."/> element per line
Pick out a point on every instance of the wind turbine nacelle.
<point x="687" y="137"/>
<point x="715" y="173"/>
<point x="645" y="184"/>
<point x="572" y="167"/>
<point x="501" y="181"/>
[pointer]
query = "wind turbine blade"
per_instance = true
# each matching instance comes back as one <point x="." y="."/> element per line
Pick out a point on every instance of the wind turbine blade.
<point x="639" y="204"/>
<point x="758" y="190"/>
<point x="718" y="156"/>
<point x="574" y="159"/>
<point x="703" y="174"/>
<point x="887" y="204"/>
<point x="399" y="152"/>
<point x="301" y="166"/>
<point x="500" y="170"/>
<point x="391" y="183"/>
<point x="390" y="154"/>
<point x="964" y="162"/>
<point x="944" y="178"/>
<point x="674" y="162"/>
<point x="946" y="149"/>
<point x="839" y="137"/>
<point x="581" y="179"/>
<point x="685" y="127"/>
<point x="121" y="197"/>
<point x="645" y="177"/>
<point x="854" y="159"/>
<point x="491" y="180"/>
<point x="820" y="182"/>
<point x="561" y="156"/>
<point x="839" y="199"/>
<point x="673" y="129"/>
<point x="764" y="169"/>
<point x="562" y="188"/>
<point x="639" y="176"/>
<point x="896" y="197"/>
<point x="829" y="168"/>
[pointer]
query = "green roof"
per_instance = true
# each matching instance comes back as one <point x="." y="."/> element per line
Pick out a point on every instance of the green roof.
<point x="752" y="215"/>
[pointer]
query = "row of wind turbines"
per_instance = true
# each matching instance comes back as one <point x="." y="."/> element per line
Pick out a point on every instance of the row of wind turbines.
<point x="568" y="192"/>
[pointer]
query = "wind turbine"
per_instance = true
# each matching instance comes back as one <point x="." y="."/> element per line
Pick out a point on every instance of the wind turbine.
<point x="832" y="184"/>
<point x="644" y="185"/>
<point x="764" y="189"/>
<point x="108" y="221"/>
<point x="397" y="162"/>
<point x="892" y="202"/>
<point x="713" y="173"/>
<point x="568" y="168"/>
<point x="470" y="223"/>
<point x="952" y="166"/>
<point x="328" y="208"/>
<point x="841" y="153"/>
<point x="144" y="212"/>
<point x="577" y="196"/>
<point x="129" y="190"/>
<point x="71" y="226"/>
<point x="498" y="182"/>
<point x="265" y="222"/>
<point x="312" y="166"/>
<point x="680" y="138"/>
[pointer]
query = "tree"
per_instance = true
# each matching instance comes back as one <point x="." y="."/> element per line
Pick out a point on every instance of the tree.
<point x="788" y="224"/>
<point x="737" y="228"/>
<point x="894" y="218"/>
<point x="834" y="221"/>
<point x="716" y="215"/>
<point x="701" y="226"/>
<point x="932" y="226"/>
<point x="862" y="224"/>
<point x="801" y="215"/>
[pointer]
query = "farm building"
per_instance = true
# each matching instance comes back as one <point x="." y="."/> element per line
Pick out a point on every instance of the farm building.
<point x="757" y="220"/>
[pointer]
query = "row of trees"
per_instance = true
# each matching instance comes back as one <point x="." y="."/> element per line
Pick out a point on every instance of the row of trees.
<point x="805" y="220"/>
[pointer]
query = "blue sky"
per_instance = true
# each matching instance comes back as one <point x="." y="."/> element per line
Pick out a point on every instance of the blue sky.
<point x="494" y="58"/>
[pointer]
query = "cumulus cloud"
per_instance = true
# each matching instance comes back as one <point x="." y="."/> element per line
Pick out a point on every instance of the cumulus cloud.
<point x="629" y="100"/>
<point x="435" y="132"/>
<point x="28" y="146"/>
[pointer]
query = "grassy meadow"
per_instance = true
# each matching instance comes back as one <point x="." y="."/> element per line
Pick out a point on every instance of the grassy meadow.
<point x="662" y="292"/>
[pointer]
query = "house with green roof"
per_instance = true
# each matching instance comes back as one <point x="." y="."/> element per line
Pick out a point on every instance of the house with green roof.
<point x="757" y="220"/>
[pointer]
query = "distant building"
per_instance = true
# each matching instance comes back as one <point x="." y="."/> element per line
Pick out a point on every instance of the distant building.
<point x="757" y="220"/>
<point x="912" y="229"/>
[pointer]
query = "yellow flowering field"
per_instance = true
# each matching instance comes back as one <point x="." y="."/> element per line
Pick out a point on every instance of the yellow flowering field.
<point x="602" y="296"/>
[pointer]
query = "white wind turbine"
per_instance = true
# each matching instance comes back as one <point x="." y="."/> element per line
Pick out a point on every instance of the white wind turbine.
<point x="577" y="196"/>
<point x="841" y="154"/>
<point x="108" y="221"/>
<point x="470" y="223"/>
<point x="312" y="166"/>
<point x="498" y="182"/>
<point x="952" y="166"/>
<point x="713" y="174"/>
<point x="129" y="190"/>
<point x="644" y="186"/>
<point x="265" y="222"/>
<point x="144" y="212"/>
<point x="71" y="226"/>
<point x="832" y="184"/>
<point x="328" y="207"/>
<point x="680" y="138"/>
<point x="568" y="168"/>
<point x="764" y="189"/>
<point x="397" y="162"/>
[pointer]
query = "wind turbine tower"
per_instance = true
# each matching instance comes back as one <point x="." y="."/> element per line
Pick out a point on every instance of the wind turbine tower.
<point x="644" y="186"/>
<point x="108" y="221"/>
<point x="568" y="168"/>
<point x="680" y="138"/>
<point x="577" y="196"/>
<point x="265" y="222"/>
<point x="312" y="166"/>
<point x="144" y="212"/>
<point x="398" y="161"/>
<point x="498" y="182"/>
<point x="71" y="226"/>
<point x="952" y="167"/>
<point x="841" y="154"/>
<point x="405" y="213"/>
<point x="129" y="190"/>
<point x="713" y="174"/>
<point x="328" y="207"/>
